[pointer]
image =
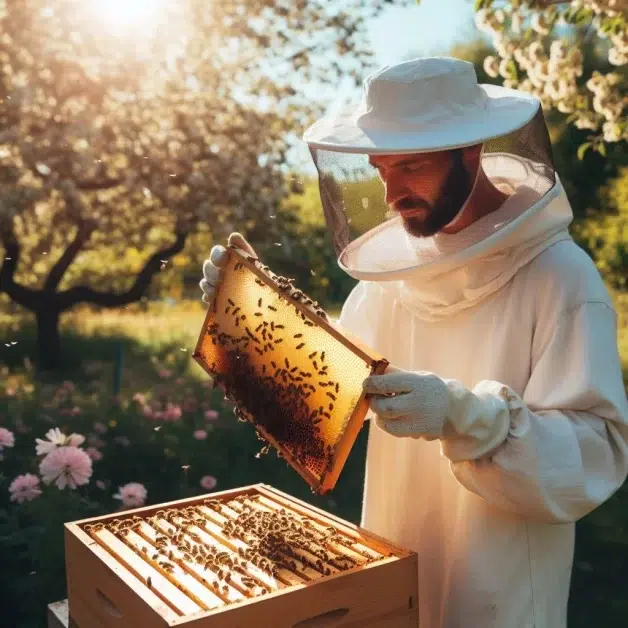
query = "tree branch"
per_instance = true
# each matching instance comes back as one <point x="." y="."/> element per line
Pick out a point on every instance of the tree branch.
<point x="63" y="263"/>
<point x="84" y="294"/>
<point x="88" y="185"/>
<point x="26" y="297"/>
<point x="98" y="184"/>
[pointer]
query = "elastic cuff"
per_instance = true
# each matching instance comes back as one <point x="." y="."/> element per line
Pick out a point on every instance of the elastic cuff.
<point x="480" y="422"/>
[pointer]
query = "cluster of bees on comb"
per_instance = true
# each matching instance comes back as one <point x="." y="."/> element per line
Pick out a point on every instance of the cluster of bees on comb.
<point x="245" y="546"/>
<point x="276" y="396"/>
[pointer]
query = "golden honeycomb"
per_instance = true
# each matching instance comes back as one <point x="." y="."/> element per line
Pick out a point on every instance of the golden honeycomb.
<point x="294" y="376"/>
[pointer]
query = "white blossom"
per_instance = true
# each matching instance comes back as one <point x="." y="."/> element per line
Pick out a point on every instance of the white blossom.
<point x="491" y="66"/>
<point x="616" y="57"/>
<point x="535" y="51"/>
<point x="586" y="120"/>
<point x="503" y="68"/>
<point x="515" y="22"/>
<point x="552" y="72"/>
<point x="540" y="24"/>
<point x="612" y="132"/>
<point x="566" y="106"/>
<point x="558" y="49"/>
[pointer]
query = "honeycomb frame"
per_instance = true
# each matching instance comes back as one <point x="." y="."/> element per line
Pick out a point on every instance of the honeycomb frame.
<point x="305" y="401"/>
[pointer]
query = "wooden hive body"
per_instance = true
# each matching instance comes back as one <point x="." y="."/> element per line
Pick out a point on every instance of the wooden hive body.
<point x="121" y="572"/>
<point x="297" y="378"/>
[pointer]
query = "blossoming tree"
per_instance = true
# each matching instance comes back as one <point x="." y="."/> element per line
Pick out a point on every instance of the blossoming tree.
<point x="539" y="49"/>
<point x="120" y="140"/>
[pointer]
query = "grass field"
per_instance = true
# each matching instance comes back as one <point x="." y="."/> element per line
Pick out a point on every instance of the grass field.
<point x="155" y="345"/>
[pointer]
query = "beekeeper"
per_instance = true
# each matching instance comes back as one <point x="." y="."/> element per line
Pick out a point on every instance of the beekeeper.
<point x="504" y="418"/>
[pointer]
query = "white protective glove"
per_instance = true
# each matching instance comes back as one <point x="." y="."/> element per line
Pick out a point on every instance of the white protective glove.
<point x="422" y="405"/>
<point x="213" y="268"/>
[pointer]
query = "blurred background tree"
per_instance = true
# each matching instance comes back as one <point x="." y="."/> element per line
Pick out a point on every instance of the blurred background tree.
<point x="572" y="55"/>
<point x="126" y="134"/>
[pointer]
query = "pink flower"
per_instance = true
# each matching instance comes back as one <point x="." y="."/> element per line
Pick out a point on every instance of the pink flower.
<point x="94" y="441"/>
<point x="211" y="415"/>
<point x="93" y="453"/>
<point x="24" y="488"/>
<point x="164" y="373"/>
<point x="147" y="411"/>
<point x="68" y="386"/>
<point x="56" y="438"/>
<point x="132" y="495"/>
<point x="100" y="428"/>
<point x="189" y="405"/>
<point x="140" y="398"/>
<point x="74" y="440"/>
<point x="66" y="466"/>
<point x="172" y="412"/>
<point x="208" y="482"/>
<point x="200" y="434"/>
<point x="11" y="392"/>
<point x="7" y="439"/>
<point x="101" y="485"/>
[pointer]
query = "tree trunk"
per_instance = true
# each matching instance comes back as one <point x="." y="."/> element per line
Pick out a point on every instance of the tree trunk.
<point x="48" y="339"/>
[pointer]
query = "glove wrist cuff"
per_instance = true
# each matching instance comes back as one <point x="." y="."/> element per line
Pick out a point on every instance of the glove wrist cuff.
<point x="478" y="423"/>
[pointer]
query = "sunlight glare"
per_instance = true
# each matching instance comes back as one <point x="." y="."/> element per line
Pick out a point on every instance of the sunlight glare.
<point x="126" y="12"/>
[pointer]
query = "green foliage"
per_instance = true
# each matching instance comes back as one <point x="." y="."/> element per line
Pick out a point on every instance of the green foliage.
<point x="606" y="234"/>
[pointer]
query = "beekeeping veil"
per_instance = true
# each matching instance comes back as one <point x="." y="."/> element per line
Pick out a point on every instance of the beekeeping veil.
<point x="422" y="106"/>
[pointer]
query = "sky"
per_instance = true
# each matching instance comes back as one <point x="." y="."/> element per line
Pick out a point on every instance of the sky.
<point x="429" y="28"/>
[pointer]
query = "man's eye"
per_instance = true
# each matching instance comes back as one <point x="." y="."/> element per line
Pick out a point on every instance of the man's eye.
<point x="413" y="167"/>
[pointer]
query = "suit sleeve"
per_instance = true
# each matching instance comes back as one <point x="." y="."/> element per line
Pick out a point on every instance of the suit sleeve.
<point x="564" y="449"/>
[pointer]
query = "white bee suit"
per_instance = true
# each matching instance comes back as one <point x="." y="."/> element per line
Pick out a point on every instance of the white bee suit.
<point x="504" y="333"/>
<point x="525" y="319"/>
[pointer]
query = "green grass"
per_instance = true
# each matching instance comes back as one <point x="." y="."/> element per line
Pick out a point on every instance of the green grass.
<point x="163" y="337"/>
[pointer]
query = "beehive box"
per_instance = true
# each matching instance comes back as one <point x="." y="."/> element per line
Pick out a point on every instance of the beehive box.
<point x="293" y="375"/>
<point x="248" y="557"/>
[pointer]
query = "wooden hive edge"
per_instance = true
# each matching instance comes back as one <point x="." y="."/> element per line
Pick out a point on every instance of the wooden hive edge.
<point x="79" y="545"/>
<point x="186" y="501"/>
<point x="254" y="609"/>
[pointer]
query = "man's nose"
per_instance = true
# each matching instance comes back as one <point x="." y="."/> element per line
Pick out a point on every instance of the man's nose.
<point x="395" y="190"/>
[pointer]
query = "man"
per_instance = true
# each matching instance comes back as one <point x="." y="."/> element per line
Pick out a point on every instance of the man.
<point x="504" y="418"/>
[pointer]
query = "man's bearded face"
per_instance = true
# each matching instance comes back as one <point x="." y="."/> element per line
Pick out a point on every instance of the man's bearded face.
<point x="427" y="189"/>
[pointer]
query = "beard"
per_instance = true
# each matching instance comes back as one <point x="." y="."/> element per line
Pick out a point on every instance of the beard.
<point x="453" y="195"/>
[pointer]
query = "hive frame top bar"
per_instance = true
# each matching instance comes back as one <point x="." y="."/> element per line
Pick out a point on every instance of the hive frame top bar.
<point x="259" y="488"/>
<point x="355" y="345"/>
<point x="376" y="361"/>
